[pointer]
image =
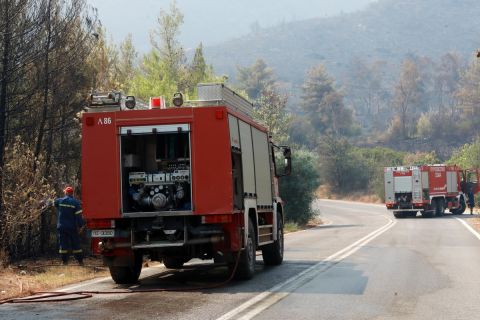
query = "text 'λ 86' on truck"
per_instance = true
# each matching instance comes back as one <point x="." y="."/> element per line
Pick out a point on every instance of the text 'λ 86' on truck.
<point x="429" y="189"/>
<point x="198" y="179"/>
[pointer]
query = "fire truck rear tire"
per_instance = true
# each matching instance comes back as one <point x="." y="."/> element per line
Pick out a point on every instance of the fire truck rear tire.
<point x="439" y="207"/>
<point x="246" y="264"/>
<point x="127" y="274"/>
<point x="427" y="214"/>
<point x="399" y="214"/>
<point x="462" y="208"/>
<point x="273" y="253"/>
<point x="173" y="262"/>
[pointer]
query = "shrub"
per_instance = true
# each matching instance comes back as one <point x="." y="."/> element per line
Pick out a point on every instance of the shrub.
<point x="425" y="128"/>
<point x="467" y="156"/>
<point x="298" y="189"/>
<point x="25" y="195"/>
<point x="420" y="158"/>
<point x="374" y="160"/>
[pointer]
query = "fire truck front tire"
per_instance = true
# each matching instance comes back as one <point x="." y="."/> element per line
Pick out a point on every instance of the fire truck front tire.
<point x="273" y="253"/>
<point x="246" y="264"/>
<point x="127" y="274"/>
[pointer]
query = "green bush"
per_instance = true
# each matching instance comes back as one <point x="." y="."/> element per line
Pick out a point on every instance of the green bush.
<point x="373" y="161"/>
<point x="298" y="189"/>
<point x="467" y="156"/>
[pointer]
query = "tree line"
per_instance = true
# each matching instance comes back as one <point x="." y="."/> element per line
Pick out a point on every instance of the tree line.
<point x="44" y="47"/>
<point x="352" y="128"/>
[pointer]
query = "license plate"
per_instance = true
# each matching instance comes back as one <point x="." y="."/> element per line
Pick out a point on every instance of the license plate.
<point x="110" y="233"/>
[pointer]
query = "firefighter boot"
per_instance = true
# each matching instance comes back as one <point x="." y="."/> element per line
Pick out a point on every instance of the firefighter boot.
<point x="64" y="259"/>
<point x="79" y="258"/>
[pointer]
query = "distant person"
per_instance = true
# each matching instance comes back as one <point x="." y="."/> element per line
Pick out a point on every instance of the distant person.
<point x="69" y="226"/>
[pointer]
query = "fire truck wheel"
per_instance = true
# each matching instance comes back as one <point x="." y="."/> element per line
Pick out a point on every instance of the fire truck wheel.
<point x="273" y="253"/>
<point x="246" y="263"/>
<point x="173" y="262"/>
<point x="462" y="208"/>
<point x="128" y="274"/>
<point x="399" y="214"/>
<point x="439" y="207"/>
<point x="427" y="214"/>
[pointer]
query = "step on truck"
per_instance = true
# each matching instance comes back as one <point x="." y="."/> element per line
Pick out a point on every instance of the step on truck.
<point x="428" y="189"/>
<point x="195" y="180"/>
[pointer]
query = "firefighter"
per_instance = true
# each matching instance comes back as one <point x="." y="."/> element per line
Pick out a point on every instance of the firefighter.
<point x="471" y="200"/>
<point x="69" y="226"/>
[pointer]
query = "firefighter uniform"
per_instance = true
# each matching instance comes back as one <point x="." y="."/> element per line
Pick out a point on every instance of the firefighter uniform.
<point x="69" y="223"/>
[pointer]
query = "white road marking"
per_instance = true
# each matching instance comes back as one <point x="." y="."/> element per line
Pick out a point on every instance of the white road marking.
<point x="469" y="227"/>
<point x="267" y="298"/>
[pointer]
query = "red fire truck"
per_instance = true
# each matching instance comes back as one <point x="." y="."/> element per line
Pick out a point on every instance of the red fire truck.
<point x="181" y="182"/>
<point x="429" y="189"/>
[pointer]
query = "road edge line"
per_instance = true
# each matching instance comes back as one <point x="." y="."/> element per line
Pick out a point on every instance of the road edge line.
<point x="469" y="227"/>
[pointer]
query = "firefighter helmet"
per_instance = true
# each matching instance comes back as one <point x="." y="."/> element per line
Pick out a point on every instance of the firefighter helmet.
<point x="68" y="190"/>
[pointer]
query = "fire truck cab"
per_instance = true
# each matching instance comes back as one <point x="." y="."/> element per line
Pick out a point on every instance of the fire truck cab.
<point x="198" y="180"/>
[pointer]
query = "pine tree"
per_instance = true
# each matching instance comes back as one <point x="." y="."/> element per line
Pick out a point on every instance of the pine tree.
<point x="272" y="112"/>
<point x="255" y="79"/>
<point x="408" y="95"/>
<point x="323" y="104"/>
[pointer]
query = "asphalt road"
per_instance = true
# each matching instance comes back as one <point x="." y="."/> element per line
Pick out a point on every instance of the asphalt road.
<point x="363" y="264"/>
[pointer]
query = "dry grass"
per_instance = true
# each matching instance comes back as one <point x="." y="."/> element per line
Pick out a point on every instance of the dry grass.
<point x="324" y="192"/>
<point x="292" y="226"/>
<point x="28" y="277"/>
<point x="475" y="222"/>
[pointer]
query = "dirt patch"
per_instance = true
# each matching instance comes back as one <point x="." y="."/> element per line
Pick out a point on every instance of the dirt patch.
<point x="324" y="192"/>
<point x="26" y="277"/>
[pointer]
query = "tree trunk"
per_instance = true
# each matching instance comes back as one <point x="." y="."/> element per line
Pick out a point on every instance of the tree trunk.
<point x="44" y="227"/>
<point x="46" y="88"/>
<point x="3" y="98"/>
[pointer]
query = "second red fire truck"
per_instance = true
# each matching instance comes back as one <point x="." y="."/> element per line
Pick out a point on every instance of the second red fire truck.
<point x="428" y="189"/>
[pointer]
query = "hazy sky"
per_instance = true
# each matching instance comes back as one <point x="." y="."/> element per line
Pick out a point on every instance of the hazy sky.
<point x="211" y="21"/>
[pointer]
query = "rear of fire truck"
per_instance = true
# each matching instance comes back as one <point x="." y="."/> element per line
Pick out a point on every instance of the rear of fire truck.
<point x="428" y="189"/>
<point x="183" y="182"/>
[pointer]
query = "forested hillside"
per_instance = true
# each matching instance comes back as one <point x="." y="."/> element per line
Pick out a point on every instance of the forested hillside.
<point x="387" y="30"/>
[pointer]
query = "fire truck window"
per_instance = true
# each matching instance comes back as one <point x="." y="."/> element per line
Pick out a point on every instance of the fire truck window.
<point x="237" y="181"/>
<point x="472" y="177"/>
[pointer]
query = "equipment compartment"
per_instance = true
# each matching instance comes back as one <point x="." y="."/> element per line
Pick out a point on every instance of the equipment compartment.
<point x="156" y="173"/>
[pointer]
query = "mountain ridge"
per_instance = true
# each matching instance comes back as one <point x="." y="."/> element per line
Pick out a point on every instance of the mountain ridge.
<point x="387" y="30"/>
